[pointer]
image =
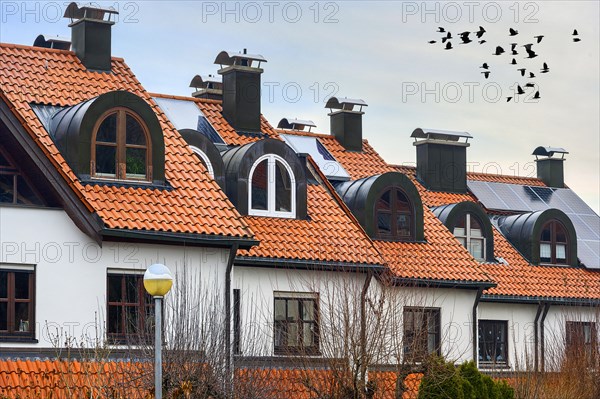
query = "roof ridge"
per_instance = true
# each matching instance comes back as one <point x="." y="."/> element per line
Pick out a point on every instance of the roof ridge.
<point x="502" y="175"/>
<point x="185" y="98"/>
<point x="47" y="50"/>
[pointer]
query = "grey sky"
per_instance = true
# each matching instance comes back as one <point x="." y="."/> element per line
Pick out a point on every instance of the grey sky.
<point x="378" y="51"/>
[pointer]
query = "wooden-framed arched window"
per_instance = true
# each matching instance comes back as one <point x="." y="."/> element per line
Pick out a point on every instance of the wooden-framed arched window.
<point x="394" y="215"/>
<point x="121" y="147"/>
<point x="554" y="243"/>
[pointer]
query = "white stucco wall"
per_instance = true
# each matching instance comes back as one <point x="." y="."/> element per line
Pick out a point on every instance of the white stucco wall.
<point x="71" y="269"/>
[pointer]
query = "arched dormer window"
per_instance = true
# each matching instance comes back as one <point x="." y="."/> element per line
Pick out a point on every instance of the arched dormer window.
<point x="121" y="147"/>
<point x="394" y="215"/>
<point x="471" y="226"/>
<point x="388" y="206"/>
<point x="469" y="232"/>
<point x="204" y="159"/>
<point x="554" y="243"/>
<point x="272" y="188"/>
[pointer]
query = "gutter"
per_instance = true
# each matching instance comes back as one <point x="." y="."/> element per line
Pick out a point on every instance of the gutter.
<point x="251" y="261"/>
<point x="431" y="283"/>
<point x="542" y="342"/>
<point x="228" y="356"/>
<point x="180" y="238"/>
<point x="363" y="328"/>
<point x="532" y="300"/>
<point x="475" y="325"/>
<point x="535" y="338"/>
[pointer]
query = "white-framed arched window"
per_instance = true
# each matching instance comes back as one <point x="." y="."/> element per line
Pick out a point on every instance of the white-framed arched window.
<point x="272" y="188"/>
<point x="469" y="232"/>
<point x="205" y="161"/>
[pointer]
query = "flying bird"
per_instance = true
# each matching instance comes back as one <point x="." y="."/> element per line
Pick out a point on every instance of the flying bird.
<point x="520" y="90"/>
<point x="465" y="37"/>
<point x="513" y="62"/>
<point x="486" y="74"/>
<point x="482" y="41"/>
<point x="539" y="38"/>
<point x="575" y="33"/>
<point x="441" y="30"/>
<point x="448" y="46"/>
<point x="513" y="32"/>
<point x="513" y="48"/>
<point x="545" y="68"/>
<point x="499" y="50"/>
<point x="431" y="42"/>
<point x="508" y="99"/>
<point x="480" y="32"/>
<point x="530" y="52"/>
<point x="522" y="70"/>
<point x="448" y="36"/>
<point x="576" y="39"/>
<point x="531" y="75"/>
<point x="536" y="96"/>
<point x="485" y="66"/>
<point x="530" y="85"/>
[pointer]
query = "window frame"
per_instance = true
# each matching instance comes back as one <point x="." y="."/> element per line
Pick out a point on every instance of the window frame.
<point x="393" y="212"/>
<point x="496" y="324"/>
<point x="300" y="349"/>
<point x="272" y="160"/>
<point x="591" y="348"/>
<point x="468" y="237"/>
<point x="11" y="334"/>
<point x="121" y="146"/>
<point x="13" y="170"/>
<point x="205" y="160"/>
<point x="144" y="301"/>
<point x="553" y="243"/>
<point x="408" y="349"/>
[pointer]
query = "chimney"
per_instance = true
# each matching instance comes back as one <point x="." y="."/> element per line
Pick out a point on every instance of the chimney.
<point x="295" y="124"/>
<point x="209" y="87"/>
<point x="442" y="159"/>
<point x="241" y="89"/>
<point x="91" y="35"/>
<point x="550" y="170"/>
<point x="346" y="122"/>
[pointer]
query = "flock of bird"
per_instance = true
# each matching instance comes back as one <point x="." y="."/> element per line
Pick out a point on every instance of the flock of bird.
<point x="465" y="39"/>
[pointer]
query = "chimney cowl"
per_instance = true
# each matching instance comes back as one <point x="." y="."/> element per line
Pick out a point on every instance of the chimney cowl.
<point x="550" y="170"/>
<point x="207" y="86"/>
<point x="442" y="159"/>
<point x="229" y="59"/>
<point x="91" y="35"/>
<point x="52" y="41"/>
<point x="295" y="124"/>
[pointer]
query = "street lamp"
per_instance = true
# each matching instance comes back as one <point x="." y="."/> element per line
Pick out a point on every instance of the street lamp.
<point x="158" y="282"/>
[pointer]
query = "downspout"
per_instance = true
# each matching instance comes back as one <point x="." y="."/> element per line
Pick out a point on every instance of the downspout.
<point x="474" y="325"/>
<point x="542" y="343"/>
<point x="228" y="358"/>
<point x="535" y="333"/>
<point x="363" y="330"/>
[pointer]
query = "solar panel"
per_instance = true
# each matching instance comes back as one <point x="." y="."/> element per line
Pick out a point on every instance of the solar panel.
<point x="522" y="198"/>
<point x="186" y="115"/>
<point x="312" y="146"/>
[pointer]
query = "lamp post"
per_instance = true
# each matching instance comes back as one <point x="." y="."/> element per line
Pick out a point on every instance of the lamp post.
<point x="158" y="282"/>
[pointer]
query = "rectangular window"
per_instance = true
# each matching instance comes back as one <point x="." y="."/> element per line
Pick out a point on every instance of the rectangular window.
<point x="582" y="341"/>
<point x="130" y="309"/>
<point x="421" y="333"/>
<point x="17" y="304"/>
<point x="493" y="342"/>
<point x="237" y="321"/>
<point x="296" y="327"/>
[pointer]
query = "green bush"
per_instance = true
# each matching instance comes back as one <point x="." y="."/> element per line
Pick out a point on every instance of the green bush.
<point x="505" y="391"/>
<point x="469" y="372"/>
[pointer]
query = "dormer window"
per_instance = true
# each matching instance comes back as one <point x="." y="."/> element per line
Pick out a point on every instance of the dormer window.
<point x="272" y="188"/>
<point x="553" y="243"/>
<point x="205" y="160"/>
<point x="469" y="232"/>
<point x="394" y="215"/>
<point x="121" y="147"/>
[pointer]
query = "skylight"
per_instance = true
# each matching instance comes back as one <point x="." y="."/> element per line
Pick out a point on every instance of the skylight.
<point x="312" y="146"/>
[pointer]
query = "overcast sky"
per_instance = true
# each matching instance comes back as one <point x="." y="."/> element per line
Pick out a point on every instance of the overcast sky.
<point x="379" y="52"/>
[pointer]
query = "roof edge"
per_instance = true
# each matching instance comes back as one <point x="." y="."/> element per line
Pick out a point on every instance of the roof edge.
<point x="533" y="300"/>
<point x="180" y="238"/>
<point x="437" y="283"/>
<point x="301" y="264"/>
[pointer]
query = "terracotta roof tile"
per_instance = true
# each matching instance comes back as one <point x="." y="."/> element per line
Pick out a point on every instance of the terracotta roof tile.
<point x="57" y="77"/>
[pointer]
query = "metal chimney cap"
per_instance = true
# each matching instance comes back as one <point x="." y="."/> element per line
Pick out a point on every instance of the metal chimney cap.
<point x="295" y="124"/>
<point x="436" y="134"/>
<point x="549" y="151"/>
<point x="202" y="81"/>
<point x="73" y="11"/>
<point x="344" y="103"/>
<point x="52" y="41"/>
<point x="233" y="58"/>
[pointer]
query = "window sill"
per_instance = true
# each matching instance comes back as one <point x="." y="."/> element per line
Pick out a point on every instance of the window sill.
<point x="494" y="366"/>
<point x="18" y="340"/>
<point x="297" y="352"/>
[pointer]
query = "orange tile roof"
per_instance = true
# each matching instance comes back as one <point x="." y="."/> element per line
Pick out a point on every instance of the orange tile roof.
<point x="74" y="380"/>
<point x="55" y="77"/>
<point x="526" y="181"/>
